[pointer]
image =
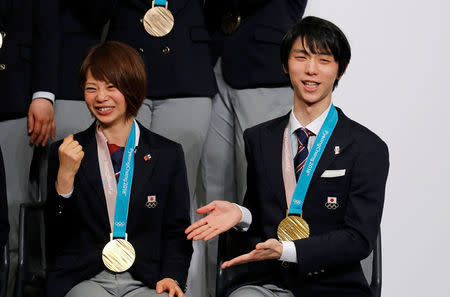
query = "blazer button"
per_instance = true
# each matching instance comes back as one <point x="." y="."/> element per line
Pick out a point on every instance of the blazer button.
<point x="2" y="67"/>
<point x="166" y="50"/>
<point x="141" y="50"/>
<point x="309" y="273"/>
<point x="285" y="264"/>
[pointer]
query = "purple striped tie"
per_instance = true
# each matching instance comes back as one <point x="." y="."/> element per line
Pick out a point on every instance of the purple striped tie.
<point x="302" y="151"/>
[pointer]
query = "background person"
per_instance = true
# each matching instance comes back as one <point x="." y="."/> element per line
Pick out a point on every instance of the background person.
<point x="180" y="85"/>
<point x="27" y="48"/>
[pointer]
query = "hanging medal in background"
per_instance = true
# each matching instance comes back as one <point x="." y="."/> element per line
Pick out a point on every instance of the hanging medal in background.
<point x="158" y="21"/>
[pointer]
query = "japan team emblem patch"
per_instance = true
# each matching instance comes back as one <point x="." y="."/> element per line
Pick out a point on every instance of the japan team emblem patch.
<point x="337" y="150"/>
<point x="332" y="203"/>
<point x="151" y="201"/>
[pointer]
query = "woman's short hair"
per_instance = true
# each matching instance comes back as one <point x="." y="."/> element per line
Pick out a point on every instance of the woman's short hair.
<point x="321" y="36"/>
<point x="121" y="65"/>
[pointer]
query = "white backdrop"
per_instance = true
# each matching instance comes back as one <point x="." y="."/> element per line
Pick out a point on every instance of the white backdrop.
<point x="397" y="84"/>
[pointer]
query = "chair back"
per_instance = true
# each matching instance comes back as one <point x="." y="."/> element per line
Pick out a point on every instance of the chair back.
<point x="4" y="271"/>
<point x="31" y="274"/>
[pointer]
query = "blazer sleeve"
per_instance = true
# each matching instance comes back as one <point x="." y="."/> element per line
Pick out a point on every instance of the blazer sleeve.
<point x="355" y="239"/>
<point x="57" y="210"/>
<point x="250" y="199"/>
<point x="45" y="46"/>
<point x="4" y="224"/>
<point x="177" y="250"/>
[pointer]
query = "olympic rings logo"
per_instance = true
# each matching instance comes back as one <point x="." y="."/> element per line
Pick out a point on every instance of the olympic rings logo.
<point x="331" y="205"/>
<point x="151" y="204"/>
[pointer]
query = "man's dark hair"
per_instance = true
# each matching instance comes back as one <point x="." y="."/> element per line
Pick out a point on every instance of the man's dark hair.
<point x="321" y="36"/>
<point x="119" y="64"/>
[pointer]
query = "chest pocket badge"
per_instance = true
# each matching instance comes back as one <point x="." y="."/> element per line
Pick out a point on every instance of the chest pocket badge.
<point x="151" y="201"/>
<point x="332" y="203"/>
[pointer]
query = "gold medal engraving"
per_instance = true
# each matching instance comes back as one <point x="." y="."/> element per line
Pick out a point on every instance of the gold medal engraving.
<point x="292" y="228"/>
<point x="118" y="255"/>
<point x="158" y="21"/>
<point x="230" y="23"/>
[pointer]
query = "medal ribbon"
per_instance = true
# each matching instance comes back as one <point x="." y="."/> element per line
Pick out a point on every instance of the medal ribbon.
<point x="160" y="3"/>
<point x="313" y="159"/>
<point x="124" y="186"/>
<point x="110" y="185"/>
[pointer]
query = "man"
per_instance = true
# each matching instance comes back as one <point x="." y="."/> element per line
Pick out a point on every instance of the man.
<point x="252" y="89"/>
<point x="341" y="183"/>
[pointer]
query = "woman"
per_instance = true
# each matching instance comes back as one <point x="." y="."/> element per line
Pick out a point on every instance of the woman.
<point x="115" y="228"/>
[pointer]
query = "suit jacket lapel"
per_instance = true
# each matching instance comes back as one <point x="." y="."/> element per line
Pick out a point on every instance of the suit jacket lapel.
<point x="90" y="170"/>
<point x="143" y="171"/>
<point x="273" y="141"/>
<point x="341" y="137"/>
<point x="273" y="145"/>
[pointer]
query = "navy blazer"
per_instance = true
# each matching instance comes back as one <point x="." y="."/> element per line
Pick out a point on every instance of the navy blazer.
<point x="329" y="260"/>
<point x="80" y="23"/>
<point x="178" y="64"/>
<point x="4" y="223"/>
<point x="251" y="55"/>
<point x="78" y="227"/>
<point x="27" y="54"/>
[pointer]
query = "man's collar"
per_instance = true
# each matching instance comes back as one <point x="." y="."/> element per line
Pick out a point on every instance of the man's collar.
<point x="314" y="126"/>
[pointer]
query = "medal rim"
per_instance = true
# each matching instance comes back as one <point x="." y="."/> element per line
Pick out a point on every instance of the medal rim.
<point x="147" y="19"/>
<point x="287" y="221"/>
<point x="107" y="251"/>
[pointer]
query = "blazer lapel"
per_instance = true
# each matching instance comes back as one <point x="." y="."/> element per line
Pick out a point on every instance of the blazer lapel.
<point x="145" y="161"/>
<point x="341" y="137"/>
<point x="272" y="147"/>
<point x="90" y="170"/>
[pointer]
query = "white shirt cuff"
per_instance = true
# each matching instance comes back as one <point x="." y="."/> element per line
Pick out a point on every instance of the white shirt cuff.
<point x="289" y="253"/>
<point x="67" y="195"/>
<point x="46" y="95"/>
<point x="246" y="219"/>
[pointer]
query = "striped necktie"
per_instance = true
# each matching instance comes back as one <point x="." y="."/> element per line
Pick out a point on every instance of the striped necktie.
<point x="302" y="151"/>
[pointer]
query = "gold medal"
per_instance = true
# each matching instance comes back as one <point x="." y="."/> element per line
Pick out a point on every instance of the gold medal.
<point x="118" y="255"/>
<point x="158" y="21"/>
<point x="292" y="228"/>
<point x="230" y="22"/>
